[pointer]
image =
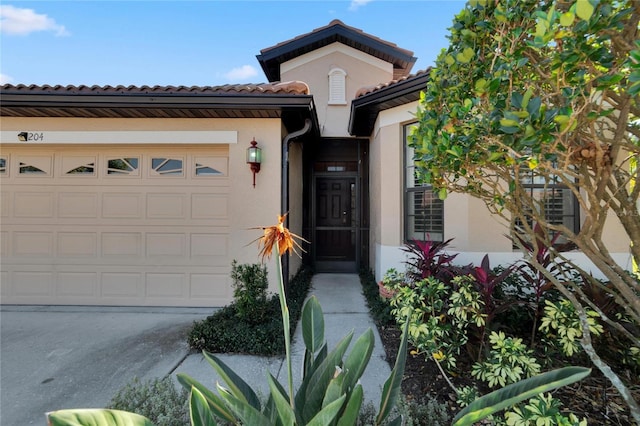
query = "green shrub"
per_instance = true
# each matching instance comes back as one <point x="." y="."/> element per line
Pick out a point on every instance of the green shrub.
<point x="541" y="410"/>
<point x="232" y="330"/>
<point x="379" y="308"/>
<point x="159" y="400"/>
<point x="250" y="286"/>
<point x="509" y="362"/>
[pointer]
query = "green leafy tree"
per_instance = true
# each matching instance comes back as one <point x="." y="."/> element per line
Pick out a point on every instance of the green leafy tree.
<point x="546" y="92"/>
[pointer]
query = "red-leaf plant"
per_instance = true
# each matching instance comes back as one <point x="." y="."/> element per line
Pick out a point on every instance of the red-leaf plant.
<point x="544" y="255"/>
<point x="428" y="259"/>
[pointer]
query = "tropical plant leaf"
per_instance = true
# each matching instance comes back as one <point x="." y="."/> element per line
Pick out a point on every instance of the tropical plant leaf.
<point x="199" y="411"/>
<point x="286" y="414"/>
<point x="236" y="384"/>
<point x="245" y="412"/>
<point x="216" y="404"/>
<point x="317" y="383"/>
<point x="352" y="409"/>
<point x="312" y="325"/>
<point x="358" y="358"/>
<point x="327" y="414"/>
<point x="96" y="417"/>
<point x="391" y="388"/>
<point x="517" y="392"/>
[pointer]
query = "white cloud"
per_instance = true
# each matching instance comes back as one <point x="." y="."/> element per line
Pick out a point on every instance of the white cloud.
<point x="18" y="21"/>
<point x="355" y="4"/>
<point x="242" y="73"/>
<point x="5" y="79"/>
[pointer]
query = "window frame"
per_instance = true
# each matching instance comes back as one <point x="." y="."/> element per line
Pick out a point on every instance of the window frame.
<point x="409" y="189"/>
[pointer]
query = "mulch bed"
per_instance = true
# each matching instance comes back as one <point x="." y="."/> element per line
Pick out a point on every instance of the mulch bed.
<point x="593" y="398"/>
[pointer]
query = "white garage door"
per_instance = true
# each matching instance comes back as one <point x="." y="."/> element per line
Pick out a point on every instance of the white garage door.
<point x="133" y="226"/>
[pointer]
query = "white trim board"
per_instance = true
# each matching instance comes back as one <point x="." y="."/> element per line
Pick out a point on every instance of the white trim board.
<point x="144" y="137"/>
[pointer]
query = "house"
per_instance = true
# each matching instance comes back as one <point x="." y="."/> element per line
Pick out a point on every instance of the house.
<point x="142" y="196"/>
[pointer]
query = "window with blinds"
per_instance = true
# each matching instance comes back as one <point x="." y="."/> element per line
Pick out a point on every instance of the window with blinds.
<point x="423" y="209"/>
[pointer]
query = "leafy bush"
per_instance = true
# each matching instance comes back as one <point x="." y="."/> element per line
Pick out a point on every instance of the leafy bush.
<point x="541" y="410"/>
<point x="439" y="315"/>
<point x="562" y="320"/>
<point x="159" y="400"/>
<point x="379" y="308"/>
<point x="250" y="285"/>
<point x="509" y="362"/>
<point x="259" y="332"/>
<point x="428" y="259"/>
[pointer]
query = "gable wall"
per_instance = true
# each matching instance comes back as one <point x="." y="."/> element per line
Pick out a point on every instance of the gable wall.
<point x="313" y="68"/>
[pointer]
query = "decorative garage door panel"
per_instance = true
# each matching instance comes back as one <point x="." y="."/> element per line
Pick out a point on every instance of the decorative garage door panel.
<point x="136" y="227"/>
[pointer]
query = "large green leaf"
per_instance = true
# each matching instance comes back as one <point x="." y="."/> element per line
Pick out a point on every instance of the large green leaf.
<point x="96" y="417"/>
<point x="358" y="358"/>
<point x="517" y="392"/>
<point x="391" y="389"/>
<point x="216" y="404"/>
<point x="352" y="409"/>
<point x="316" y="385"/>
<point x="312" y="325"/>
<point x="244" y="411"/>
<point x="327" y="414"/>
<point x="236" y="385"/>
<point x="286" y="414"/>
<point x="199" y="411"/>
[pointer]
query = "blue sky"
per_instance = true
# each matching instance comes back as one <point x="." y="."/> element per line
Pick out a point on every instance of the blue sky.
<point x="192" y="43"/>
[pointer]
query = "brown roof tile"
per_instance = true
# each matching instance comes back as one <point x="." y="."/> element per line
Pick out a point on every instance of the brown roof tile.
<point x="370" y="89"/>
<point x="340" y="23"/>
<point x="288" y="87"/>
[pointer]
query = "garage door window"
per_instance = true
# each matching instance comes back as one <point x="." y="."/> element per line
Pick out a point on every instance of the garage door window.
<point x="79" y="166"/>
<point x="124" y="166"/>
<point x="34" y="166"/>
<point x="210" y="166"/>
<point x="3" y="165"/>
<point x="166" y="166"/>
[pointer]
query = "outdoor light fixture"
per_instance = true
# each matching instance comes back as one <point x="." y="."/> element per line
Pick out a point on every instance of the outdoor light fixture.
<point x="254" y="158"/>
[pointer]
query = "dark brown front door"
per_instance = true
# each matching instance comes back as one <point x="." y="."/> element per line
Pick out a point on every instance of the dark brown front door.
<point x="336" y="224"/>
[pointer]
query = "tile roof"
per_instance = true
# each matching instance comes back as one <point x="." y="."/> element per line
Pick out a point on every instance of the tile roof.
<point x="337" y="22"/>
<point x="272" y="57"/>
<point x="370" y="89"/>
<point x="288" y="88"/>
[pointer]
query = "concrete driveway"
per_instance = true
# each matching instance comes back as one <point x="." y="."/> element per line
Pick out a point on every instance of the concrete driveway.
<point x="74" y="357"/>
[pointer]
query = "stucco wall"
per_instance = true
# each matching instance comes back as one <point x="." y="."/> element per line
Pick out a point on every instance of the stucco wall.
<point x="467" y="220"/>
<point x="313" y="68"/>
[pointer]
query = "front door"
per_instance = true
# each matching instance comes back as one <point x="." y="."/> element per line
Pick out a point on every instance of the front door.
<point x="336" y="224"/>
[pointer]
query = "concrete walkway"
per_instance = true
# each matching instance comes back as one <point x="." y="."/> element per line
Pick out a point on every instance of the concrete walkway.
<point x="344" y="308"/>
<point x="57" y="357"/>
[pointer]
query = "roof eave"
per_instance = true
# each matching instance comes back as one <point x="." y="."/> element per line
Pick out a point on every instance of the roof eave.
<point x="365" y="109"/>
<point x="270" y="59"/>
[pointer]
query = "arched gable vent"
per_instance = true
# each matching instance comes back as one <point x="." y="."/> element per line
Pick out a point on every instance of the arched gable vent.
<point x="337" y="87"/>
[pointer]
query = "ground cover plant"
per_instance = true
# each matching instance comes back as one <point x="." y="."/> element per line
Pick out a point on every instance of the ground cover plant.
<point x="251" y="324"/>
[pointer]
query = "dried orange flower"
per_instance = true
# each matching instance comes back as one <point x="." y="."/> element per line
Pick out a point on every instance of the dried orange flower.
<point x="280" y="236"/>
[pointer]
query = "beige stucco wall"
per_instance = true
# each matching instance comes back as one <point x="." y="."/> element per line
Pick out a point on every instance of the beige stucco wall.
<point x="313" y="68"/>
<point x="247" y="206"/>
<point x="467" y="220"/>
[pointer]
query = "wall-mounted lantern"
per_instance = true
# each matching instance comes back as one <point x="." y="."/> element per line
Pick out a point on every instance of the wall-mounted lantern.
<point x="254" y="158"/>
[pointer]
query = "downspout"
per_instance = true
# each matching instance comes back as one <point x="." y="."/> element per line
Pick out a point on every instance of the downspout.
<point x="284" y="190"/>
